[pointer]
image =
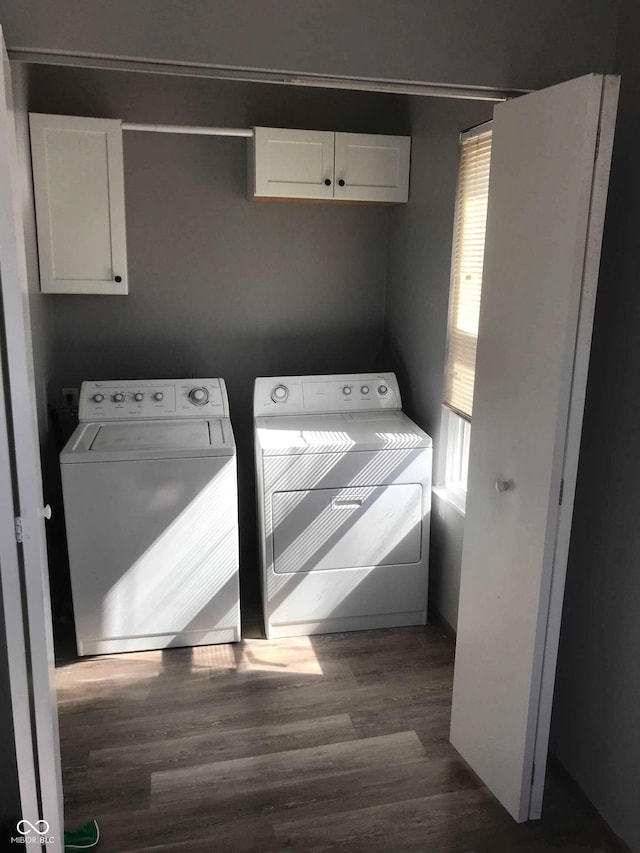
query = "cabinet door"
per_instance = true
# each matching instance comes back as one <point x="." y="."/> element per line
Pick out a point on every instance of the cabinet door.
<point x="79" y="193"/>
<point x="292" y="163"/>
<point x="371" y="167"/>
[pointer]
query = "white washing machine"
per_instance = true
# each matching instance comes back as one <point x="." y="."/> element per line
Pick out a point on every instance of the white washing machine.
<point x="344" y="496"/>
<point x="150" y="497"/>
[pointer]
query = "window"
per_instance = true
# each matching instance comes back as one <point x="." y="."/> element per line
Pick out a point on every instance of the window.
<point x="455" y="436"/>
<point x="464" y="310"/>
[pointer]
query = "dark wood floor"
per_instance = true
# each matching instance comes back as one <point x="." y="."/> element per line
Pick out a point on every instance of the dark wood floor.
<point x="332" y="743"/>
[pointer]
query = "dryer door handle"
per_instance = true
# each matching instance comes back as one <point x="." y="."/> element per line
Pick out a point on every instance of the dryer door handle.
<point x="347" y="503"/>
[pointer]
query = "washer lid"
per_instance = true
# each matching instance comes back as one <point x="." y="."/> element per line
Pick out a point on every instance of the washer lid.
<point x="169" y="439"/>
<point x="338" y="433"/>
<point x="161" y="435"/>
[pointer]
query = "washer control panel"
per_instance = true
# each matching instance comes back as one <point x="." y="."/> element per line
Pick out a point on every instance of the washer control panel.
<point x="281" y="395"/>
<point x="147" y="399"/>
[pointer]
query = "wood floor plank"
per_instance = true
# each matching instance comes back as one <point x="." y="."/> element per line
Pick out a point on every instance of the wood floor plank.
<point x="258" y="696"/>
<point x="430" y="720"/>
<point x="86" y="788"/>
<point x="212" y="745"/>
<point x="186" y="834"/>
<point x="232" y="702"/>
<point x="283" y="769"/>
<point x="418" y="824"/>
<point x="225" y="810"/>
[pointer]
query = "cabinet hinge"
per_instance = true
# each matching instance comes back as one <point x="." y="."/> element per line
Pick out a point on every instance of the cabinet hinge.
<point x="17" y="521"/>
<point x="561" y="492"/>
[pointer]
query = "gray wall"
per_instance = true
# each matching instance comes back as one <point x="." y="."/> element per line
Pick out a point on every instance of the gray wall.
<point x="219" y="285"/>
<point x="511" y="43"/>
<point x="419" y="266"/>
<point x="597" y="703"/>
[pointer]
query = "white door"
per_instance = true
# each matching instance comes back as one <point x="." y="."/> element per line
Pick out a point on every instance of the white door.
<point x="371" y="167"/>
<point x="547" y="192"/>
<point x="23" y="450"/>
<point x="78" y="178"/>
<point x="292" y="163"/>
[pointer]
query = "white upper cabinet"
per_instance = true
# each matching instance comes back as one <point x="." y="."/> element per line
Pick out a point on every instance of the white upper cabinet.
<point x="332" y="166"/>
<point x="79" y="195"/>
<point x="372" y="168"/>
<point x="292" y="163"/>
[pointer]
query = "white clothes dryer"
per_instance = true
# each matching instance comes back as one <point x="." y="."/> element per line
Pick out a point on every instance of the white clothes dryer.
<point x="344" y="497"/>
<point x="150" y="497"/>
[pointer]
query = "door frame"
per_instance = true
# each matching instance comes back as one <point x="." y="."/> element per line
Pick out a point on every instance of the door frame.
<point x="575" y="417"/>
<point x="32" y="596"/>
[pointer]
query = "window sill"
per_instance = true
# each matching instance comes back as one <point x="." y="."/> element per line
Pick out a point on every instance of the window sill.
<point x="454" y="497"/>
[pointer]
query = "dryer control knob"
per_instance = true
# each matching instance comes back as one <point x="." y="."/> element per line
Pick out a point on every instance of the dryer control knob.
<point x="199" y="396"/>
<point x="118" y="398"/>
<point x="364" y="389"/>
<point x="382" y="390"/>
<point x="138" y="396"/>
<point x="280" y="394"/>
<point x="347" y="390"/>
<point x="98" y="398"/>
<point x="158" y="396"/>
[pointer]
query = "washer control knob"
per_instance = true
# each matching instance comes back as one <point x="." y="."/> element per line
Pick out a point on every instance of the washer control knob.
<point x="280" y="394"/>
<point x="118" y="397"/>
<point x="382" y="390"/>
<point x="199" y="396"/>
<point x="158" y="396"/>
<point x="364" y="389"/>
<point x="347" y="390"/>
<point x="98" y="398"/>
<point x="138" y="396"/>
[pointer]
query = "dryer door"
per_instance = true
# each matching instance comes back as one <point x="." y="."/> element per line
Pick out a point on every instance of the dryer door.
<point x="347" y="528"/>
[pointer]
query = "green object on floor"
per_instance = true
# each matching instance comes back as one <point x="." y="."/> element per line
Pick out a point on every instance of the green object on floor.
<point x="83" y="838"/>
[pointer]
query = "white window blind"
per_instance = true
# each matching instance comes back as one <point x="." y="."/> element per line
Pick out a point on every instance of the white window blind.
<point x="466" y="269"/>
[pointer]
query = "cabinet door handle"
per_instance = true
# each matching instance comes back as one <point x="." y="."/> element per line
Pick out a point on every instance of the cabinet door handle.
<point x="327" y="182"/>
<point x="341" y="182"/>
<point x="117" y="279"/>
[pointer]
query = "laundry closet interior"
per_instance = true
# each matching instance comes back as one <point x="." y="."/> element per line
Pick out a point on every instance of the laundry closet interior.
<point x="221" y="285"/>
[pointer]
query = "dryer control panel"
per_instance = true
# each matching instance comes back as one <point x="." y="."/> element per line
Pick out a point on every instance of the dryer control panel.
<point x="343" y="392"/>
<point x="146" y="399"/>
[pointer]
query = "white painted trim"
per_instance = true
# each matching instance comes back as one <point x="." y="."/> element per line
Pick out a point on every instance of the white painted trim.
<point x="10" y="578"/>
<point x="14" y="623"/>
<point x="189" y="129"/>
<point x="580" y="366"/>
<point x="255" y="75"/>
<point x="26" y="462"/>
<point x="453" y="497"/>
